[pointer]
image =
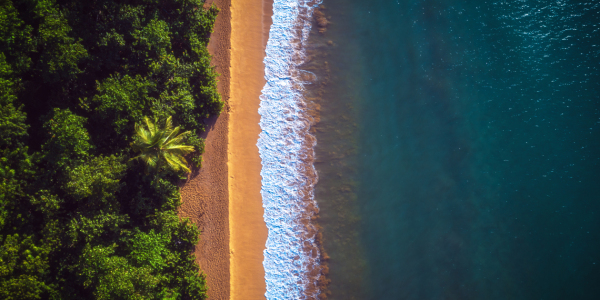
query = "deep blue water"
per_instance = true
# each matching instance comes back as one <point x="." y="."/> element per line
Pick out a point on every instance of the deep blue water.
<point x="470" y="141"/>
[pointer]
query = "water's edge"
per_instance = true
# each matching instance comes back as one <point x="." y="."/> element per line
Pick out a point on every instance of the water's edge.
<point x="291" y="258"/>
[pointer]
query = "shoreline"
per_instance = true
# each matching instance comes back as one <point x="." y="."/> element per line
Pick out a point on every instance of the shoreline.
<point x="250" y="24"/>
<point x="292" y="259"/>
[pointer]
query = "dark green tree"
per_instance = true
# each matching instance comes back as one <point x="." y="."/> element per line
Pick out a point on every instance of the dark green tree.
<point x="24" y="258"/>
<point x="77" y="221"/>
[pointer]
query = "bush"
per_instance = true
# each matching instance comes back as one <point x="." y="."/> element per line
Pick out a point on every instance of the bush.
<point x="78" y="220"/>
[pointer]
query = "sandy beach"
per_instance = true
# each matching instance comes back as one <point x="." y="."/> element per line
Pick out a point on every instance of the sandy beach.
<point x="250" y="25"/>
<point x="223" y="197"/>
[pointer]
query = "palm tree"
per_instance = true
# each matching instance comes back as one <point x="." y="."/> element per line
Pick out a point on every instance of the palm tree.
<point x="160" y="147"/>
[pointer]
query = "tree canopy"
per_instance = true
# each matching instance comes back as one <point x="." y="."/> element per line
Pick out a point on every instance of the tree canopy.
<point x="78" y="218"/>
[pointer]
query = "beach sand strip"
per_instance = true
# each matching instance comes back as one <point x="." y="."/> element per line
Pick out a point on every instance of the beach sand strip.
<point x="251" y="20"/>
<point x="205" y="195"/>
<point x="223" y="197"/>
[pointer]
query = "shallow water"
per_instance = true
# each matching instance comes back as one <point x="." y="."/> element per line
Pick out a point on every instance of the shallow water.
<point x="458" y="149"/>
<point x="286" y="151"/>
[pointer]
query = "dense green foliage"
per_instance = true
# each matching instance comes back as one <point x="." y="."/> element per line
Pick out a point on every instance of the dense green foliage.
<point x="161" y="147"/>
<point x="79" y="219"/>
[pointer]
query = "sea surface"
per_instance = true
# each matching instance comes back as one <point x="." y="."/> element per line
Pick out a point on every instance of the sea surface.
<point x="457" y="149"/>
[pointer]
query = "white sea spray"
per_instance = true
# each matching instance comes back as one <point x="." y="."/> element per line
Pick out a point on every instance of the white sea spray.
<point x="286" y="149"/>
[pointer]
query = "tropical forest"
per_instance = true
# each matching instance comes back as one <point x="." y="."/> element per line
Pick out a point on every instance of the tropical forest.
<point x="101" y="106"/>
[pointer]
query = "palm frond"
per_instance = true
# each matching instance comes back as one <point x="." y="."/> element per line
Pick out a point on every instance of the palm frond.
<point x="171" y="135"/>
<point x="180" y="150"/>
<point x="168" y="124"/>
<point x="178" y="139"/>
<point x="151" y="126"/>
<point x="143" y="139"/>
<point x="161" y="146"/>
<point x="176" y="162"/>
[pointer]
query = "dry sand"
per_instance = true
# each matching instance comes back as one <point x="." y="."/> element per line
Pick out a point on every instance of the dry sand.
<point x="223" y="197"/>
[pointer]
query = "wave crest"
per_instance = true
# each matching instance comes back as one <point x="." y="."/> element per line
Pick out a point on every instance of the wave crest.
<point x="291" y="258"/>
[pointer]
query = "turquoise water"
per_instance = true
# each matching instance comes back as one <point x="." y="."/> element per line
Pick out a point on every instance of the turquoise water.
<point x="459" y="149"/>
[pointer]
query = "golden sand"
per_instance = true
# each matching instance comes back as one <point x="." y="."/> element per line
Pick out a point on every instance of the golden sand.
<point x="249" y="33"/>
<point x="223" y="197"/>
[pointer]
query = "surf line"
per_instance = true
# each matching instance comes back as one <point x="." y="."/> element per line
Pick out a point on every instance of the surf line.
<point x="286" y="147"/>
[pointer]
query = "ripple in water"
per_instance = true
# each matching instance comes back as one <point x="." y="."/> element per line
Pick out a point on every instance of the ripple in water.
<point x="291" y="258"/>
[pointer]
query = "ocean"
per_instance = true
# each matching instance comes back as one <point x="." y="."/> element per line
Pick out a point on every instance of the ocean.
<point x="457" y="149"/>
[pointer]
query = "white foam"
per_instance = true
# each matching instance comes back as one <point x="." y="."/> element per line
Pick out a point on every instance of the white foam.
<point x="287" y="191"/>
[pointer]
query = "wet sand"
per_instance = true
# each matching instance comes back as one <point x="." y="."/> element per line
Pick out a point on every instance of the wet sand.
<point x="223" y="197"/>
<point x="250" y="25"/>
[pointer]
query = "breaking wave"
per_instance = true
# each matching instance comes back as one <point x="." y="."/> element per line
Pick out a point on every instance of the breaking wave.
<point x="291" y="258"/>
